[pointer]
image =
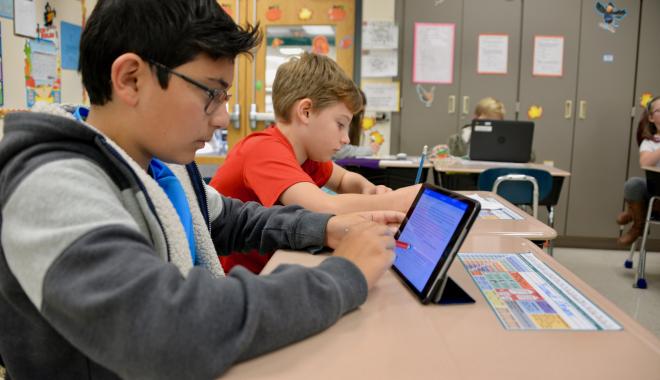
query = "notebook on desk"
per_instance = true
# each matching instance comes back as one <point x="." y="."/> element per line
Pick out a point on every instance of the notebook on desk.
<point x="501" y="140"/>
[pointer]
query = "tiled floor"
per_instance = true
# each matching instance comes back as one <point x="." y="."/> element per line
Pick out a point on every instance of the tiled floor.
<point x="604" y="271"/>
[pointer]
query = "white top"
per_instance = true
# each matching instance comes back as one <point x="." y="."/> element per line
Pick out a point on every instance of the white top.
<point x="650" y="146"/>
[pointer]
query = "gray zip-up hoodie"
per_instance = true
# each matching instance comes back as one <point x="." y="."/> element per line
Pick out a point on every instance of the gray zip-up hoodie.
<point x="96" y="278"/>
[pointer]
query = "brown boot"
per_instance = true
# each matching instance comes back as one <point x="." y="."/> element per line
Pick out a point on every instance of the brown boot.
<point x="638" y="211"/>
<point x="624" y="216"/>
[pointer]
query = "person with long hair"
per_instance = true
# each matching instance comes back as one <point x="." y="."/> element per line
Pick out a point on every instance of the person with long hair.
<point x="635" y="192"/>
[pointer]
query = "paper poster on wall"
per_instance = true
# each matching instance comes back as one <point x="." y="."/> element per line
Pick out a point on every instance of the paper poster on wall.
<point x="7" y="9"/>
<point x="548" y="56"/>
<point x="70" y="45"/>
<point x="380" y="63"/>
<point x="380" y="35"/>
<point x="493" y="54"/>
<point x="433" y="53"/>
<point x="42" y="68"/>
<point x="25" y="18"/>
<point x="2" y="81"/>
<point x="381" y="96"/>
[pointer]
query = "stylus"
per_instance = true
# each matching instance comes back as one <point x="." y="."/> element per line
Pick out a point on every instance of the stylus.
<point x="421" y="164"/>
<point x="403" y="245"/>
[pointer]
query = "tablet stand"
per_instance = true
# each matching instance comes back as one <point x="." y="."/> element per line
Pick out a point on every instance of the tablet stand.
<point x="452" y="294"/>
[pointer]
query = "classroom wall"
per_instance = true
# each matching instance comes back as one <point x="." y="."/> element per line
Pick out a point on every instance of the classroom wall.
<point x="378" y="10"/>
<point x="381" y="10"/>
<point x="13" y="57"/>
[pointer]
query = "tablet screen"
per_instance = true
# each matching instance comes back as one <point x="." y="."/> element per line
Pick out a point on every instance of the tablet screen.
<point x="425" y="237"/>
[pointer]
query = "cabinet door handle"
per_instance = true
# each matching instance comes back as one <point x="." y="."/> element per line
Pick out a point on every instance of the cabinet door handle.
<point x="583" y="110"/>
<point x="568" y="109"/>
<point x="466" y="105"/>
<point x="451" y="104"/>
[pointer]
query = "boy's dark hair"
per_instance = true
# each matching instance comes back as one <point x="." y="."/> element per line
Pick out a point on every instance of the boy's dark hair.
<point x="170" y="32"/>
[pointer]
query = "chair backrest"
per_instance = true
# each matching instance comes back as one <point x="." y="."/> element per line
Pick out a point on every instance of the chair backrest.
<point x="516" y="192"/>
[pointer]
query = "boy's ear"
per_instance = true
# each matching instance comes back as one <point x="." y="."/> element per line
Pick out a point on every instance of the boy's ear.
<point x="126" y="74"/>
<point x="303" y="109"/>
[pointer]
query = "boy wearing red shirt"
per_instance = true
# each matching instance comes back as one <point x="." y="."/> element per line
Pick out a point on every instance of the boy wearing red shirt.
<point x="314" y="102"/>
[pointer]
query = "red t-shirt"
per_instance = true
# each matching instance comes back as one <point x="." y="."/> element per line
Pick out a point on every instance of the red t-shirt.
<point x="260" y="168"/>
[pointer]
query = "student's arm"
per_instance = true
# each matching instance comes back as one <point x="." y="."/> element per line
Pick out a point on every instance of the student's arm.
<point x="312" y="198"/>
<point x="343" y="181"/>
<point x="349" y="150"/>
<point x="92" y="274"/>
<point x="647" y="158"/>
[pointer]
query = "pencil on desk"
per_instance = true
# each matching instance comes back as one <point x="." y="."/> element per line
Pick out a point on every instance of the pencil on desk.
<point x="421" y="164"/>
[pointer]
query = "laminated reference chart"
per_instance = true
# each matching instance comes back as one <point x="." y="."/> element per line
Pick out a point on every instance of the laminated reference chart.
<point x="492" y="209"/>
<point x="527" y="295"/>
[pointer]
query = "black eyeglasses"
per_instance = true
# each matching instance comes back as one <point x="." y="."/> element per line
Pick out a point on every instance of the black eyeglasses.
<point x="216" y="96"/>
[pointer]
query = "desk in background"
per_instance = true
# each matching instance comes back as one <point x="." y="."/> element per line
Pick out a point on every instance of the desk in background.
<point x="393" y="336"/>
<point x="528" y="228"/>
<point x="462" y="174"/>
<point x="392" y="173"/>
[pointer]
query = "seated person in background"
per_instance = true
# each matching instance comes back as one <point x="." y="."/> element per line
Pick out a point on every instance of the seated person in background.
<point x="110" y="240"/>
<point x="353" y="149"/>
<point x="487" y="109"/>
<point x="635" y="192"/>
<point x="314" y="102"/>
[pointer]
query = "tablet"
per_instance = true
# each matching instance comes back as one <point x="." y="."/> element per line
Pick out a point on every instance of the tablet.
<point x="429" y="239"/>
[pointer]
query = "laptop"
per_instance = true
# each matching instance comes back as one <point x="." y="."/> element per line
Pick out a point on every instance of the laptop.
<point x="501" y="140"/>
<point x="428" y="241"/>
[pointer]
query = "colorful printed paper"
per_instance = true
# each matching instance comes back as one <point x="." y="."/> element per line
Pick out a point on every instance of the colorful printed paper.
<point x="42" y="68"/>
<point x="526" y="294"/>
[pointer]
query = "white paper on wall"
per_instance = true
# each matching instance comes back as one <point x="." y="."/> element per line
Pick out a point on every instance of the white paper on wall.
<point x="381" y="96"/>
<point x="493" y="53"/>
<point x="25" y="18"/>
<point x="433" y="53"/>
<point x="548" y="56"/>
<point x="379" y="35"/>
<point x="380" y="63"/>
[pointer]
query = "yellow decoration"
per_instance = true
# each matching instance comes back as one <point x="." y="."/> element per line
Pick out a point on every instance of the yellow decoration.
<point x="377" y="137"/>
<point x="304" y="14"/>
<point x="368" y="123"/>
<point x="645" y="99"/>
<point x="534" y="112"/>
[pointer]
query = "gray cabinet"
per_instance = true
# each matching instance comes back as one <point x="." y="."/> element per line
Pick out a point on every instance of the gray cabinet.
<point x="553" y="132"/>
<point x="500" y="17"/>
<point x="586" y="126"/>
<point x="605" y="87"/>
<point x="429" y="111"/>
<point x="453" y="104"/>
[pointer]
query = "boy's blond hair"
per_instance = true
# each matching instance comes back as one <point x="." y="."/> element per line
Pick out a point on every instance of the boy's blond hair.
<point x="490" y="107"/>
<point x="316" y="77"/>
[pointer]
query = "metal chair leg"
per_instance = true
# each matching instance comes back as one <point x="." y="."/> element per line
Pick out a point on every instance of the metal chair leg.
<point x="640" y="279"/>
<point x="551" y="223"/>
<point x="629" y="262"/>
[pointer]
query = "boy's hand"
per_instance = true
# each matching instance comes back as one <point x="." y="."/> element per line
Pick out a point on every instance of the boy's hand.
<point x="339" y="225"/>
<point x="379" y="189"/>
<point x="404" y="197"/>
<point x="370" y="246"/>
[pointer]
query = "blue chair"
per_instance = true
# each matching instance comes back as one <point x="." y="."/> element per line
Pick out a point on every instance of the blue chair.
<point x="520" y="186"/>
